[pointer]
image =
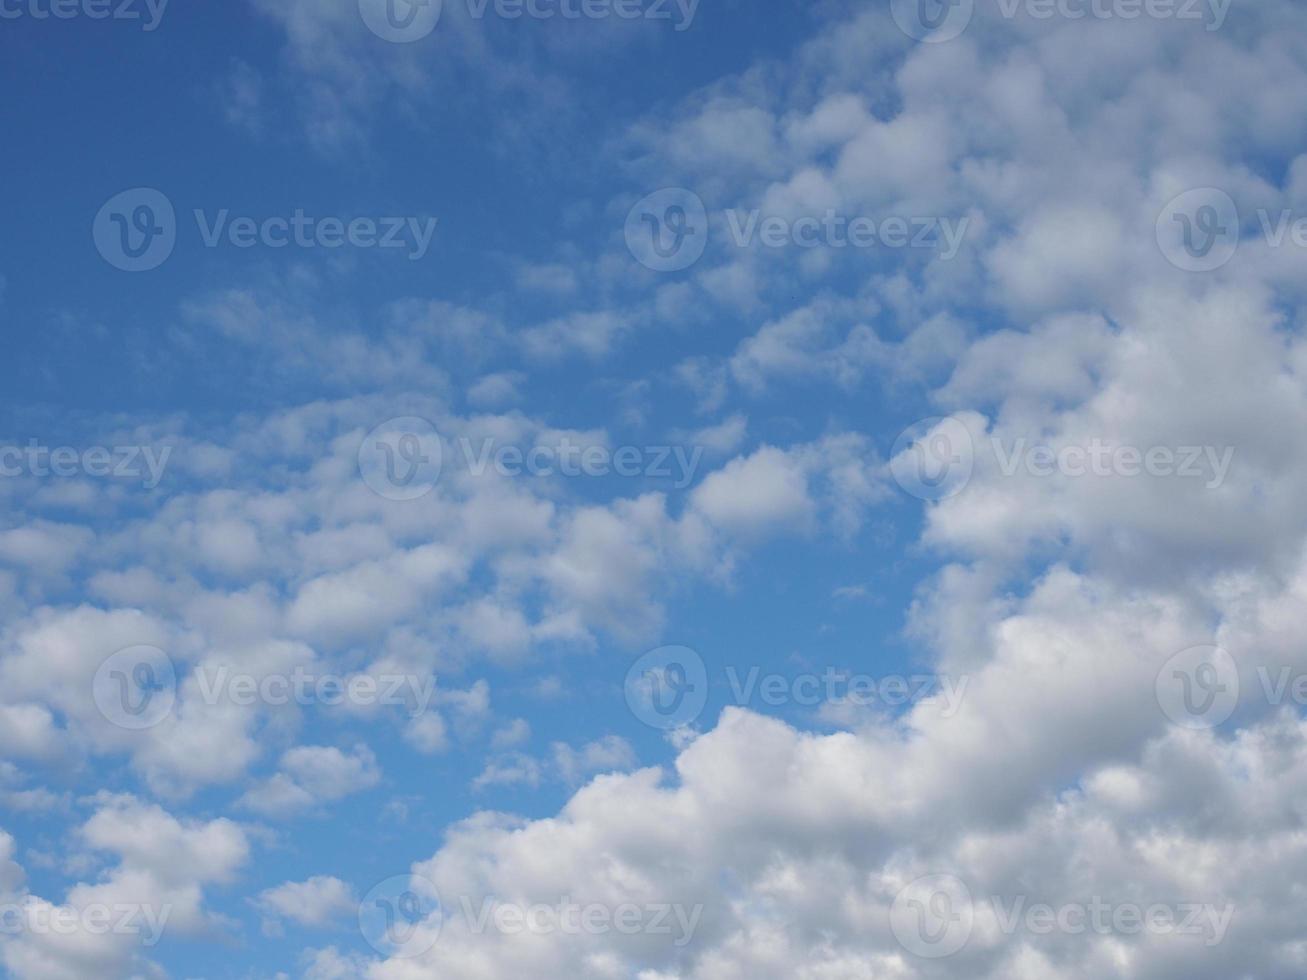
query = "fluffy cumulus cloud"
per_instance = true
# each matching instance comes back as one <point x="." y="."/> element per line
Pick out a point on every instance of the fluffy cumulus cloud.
<point x="329" y="619"/>
<point x="156" y="889"/>
<point x="315" y="902"/>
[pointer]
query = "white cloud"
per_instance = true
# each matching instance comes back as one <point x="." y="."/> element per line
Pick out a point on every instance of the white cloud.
<point x="317" y="903"/>
<point x="311" y="775"/>
<point x="608" y="754"/>
<point x="164" y="865"/>
<point x="762" y="491"/>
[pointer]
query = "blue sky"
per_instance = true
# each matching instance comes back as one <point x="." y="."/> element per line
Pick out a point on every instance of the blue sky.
<point x="938" y="274"/>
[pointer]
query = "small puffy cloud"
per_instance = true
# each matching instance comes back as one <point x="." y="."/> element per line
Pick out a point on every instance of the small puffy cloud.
<point x="764" y="491"/>
<point x="311" y="775"/>
<point x="316" y="903"/>
<point x="608" y="754"/>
